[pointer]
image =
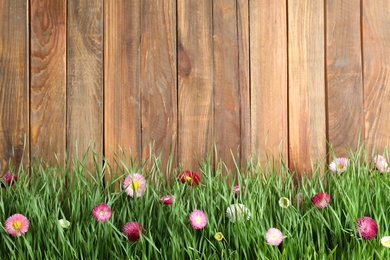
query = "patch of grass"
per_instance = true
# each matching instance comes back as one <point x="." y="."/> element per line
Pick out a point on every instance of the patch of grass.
<point x="68" y="190"/>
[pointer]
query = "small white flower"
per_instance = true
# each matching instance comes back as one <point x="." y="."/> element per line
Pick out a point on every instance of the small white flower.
<point x="386" y="241"/>
<point x="64" y="223"/>
<point x="284" y="202"/>
<point x="238" y="212"/>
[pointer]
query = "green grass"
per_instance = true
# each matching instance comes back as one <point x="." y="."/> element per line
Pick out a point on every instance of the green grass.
<point x="47" y="193"/>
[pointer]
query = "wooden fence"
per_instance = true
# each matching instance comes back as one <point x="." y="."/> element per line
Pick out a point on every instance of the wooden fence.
<point x="263" y="76"/>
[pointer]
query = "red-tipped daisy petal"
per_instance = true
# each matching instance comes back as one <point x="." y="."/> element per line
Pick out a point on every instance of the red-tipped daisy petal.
<point x="321" y="200"/>
<point x="101" y="212"/>
<point x="192" y="178"/>
<point x="132" y="230"/>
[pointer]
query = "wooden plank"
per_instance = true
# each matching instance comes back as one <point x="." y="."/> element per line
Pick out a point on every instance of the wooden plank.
<point x="307" y="127"/>
<point x="226" y="85"/>
<point x="158" y="78"/>
<point x="48" y="79"/>
<point x="376" y="63"/>
<point x="243" y="79"/>
<point x="195" y="80"/>
<point x="344" y="75"/>
<point x="14" y="93"/>
<point x="122" y="117"/>
<point x="85" y="77"/>
<point x="268" y="45"/>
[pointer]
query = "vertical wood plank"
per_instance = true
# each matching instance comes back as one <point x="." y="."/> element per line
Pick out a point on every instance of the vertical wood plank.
<point x="243" y="78"/>
<point x="195" y="80"/>
<point x="268" y="45"/>
<point x="48" y="79"/>
<point x="226" y="85"/>
<point x="376" y="58"/>
<point x="158" y="77"/>
<point x="307" y="128"/>
<point x="122" y="117"/>
<point x="344" y="75"/>
<point x="14" y="92"/>
<point x="85" y="77"/>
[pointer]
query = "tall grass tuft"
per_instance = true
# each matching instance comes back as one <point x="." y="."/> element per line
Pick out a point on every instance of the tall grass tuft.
<point x="69" y="190"/>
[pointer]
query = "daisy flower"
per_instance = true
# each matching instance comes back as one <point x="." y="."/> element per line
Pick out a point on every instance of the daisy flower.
<point x="385" y="241"/>
<point x="101" y="212"/>
<point x="135" y="184"/>
<point x="321" y="200"/>
<point x="16" y="225"/>
<point x="236" y="190"/>
<point x="132" y="230"/>
<point x="64" y="223"/>
<point x="167" y="199"/>
<point x="192" y="178"/>
<point x="366" y="228"/>
<point x="339" y="165"/>
<point x="274" y="236"/>
<point x="9" y="179"/>
<point x="238" y="212"/>
<point x="218" y="236"/>
<point x="198" y="219"/>
<point x="284" y="202"/>
<point x="381" y="164"/>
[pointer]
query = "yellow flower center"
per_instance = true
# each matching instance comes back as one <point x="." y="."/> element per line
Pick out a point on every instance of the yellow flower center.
<point x="340" y="166"/>
<point x="102" y="212"/>
<point x="17" y="225"/>
<point x="188" y="179"/>
<point x="387" y="242"/>
<point x="135" y="185"/>
<point x="218" y="236"/>
<point x="198" y="219"/>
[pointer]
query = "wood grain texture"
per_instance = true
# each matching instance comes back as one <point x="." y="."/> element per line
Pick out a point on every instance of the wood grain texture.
<point x="158" y="78"/>
<point x="122" y="116"/>
<point x="376" y="58"/>
<point x="14" y="97"/>
<point x="344" y="75"/>
<point x="195" y="81"/>
<point x="48" y="79"/>
<point x="307" y="126"/>
<point x="226" y="82"/>
<point x="244" y="79"/>
<point x="268" y="46"/>
<point x="85" y="77"/>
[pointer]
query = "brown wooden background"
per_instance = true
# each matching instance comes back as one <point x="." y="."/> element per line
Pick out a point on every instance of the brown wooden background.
<point x="262" y="76"/>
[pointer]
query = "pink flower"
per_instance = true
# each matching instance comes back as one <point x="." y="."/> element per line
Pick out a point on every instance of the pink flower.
<point x="167" y="199"/>
<point x="321" y="200"/>
<point x="366" y="228"/>
<point x="101" y="212"/>
<point x="16" y="225"/>
<point x="132" y="230"/>
<point x="339" y="165"/>
<point x="192" y="178"/>
<point x="381" y="164"/>
<point x="274" y="236"/>
<point x="198" y="219"/>
<point x="9" y="179"/>
<point x="135" y="184"/>
<point x="236" y="190"/>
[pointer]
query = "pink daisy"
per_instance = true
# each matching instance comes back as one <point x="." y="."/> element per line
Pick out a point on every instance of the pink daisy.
<point x="192" y="178"/>
<point x="198" y="219"/>
<point x="132" y="230"/>
<point x="274" y="236"/>
<point x="101" y="212"/>
<point x="236" y="190"/>
<point x="9" y="179"/>
<point x="339" y="165"/>
<point x="16" y="225"/>
<point x="366" y="228"/>
<point x="381" y="164"/>
<point x="135" y="184"/>
<point x="167" y="199"/>
<point x="321" y="200"/>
